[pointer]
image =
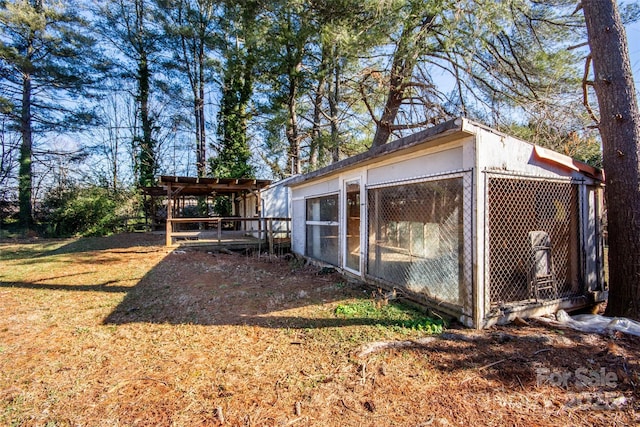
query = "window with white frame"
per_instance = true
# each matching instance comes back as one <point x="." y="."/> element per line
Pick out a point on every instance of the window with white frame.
<point x="322" y="228"/>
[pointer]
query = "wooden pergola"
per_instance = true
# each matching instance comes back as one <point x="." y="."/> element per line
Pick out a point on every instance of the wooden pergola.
<point x="177" y="188"/>
<point x="191" y="186"/>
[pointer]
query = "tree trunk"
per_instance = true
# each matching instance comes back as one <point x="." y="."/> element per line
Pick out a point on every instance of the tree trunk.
<point x="201" y="137"/>
<point x="292" y="128"/>
<point x="400" y="72"/>
<point x="334" y="100"/>
<point x="293" y="136"/>
<point x="199" y="123"/>
<point x="147" y="155"/>
<point x="620" y="131"/>
<point x="404" y="61"/>
<point x="193" y="55"/>
<point x="202" y="140"/>
<point x="316" y="146"/>
<point x="115" y="136"/>
<point x="25" y="172"/>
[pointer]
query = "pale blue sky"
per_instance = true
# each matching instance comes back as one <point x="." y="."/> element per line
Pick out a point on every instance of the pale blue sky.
<point x="633" y="38"/>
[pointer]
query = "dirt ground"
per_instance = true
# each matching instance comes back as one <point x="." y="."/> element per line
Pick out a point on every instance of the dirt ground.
<point x="121" y="331"/>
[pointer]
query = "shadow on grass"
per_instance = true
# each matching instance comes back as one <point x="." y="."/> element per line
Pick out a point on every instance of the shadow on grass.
<point x="230" y="290"/>
<point x="34" y="249"/>
<point x="185" y="287"/>
<point x="100" y="287"/>
<point x="220" y="289"/>
<point x="19" y="250"/>
<point x="523" y="359"/>
<point x="89" y="257"/>
<point x="241" y="293"/>
<point x="218" y="299"/>
<point x="114" y="242"/>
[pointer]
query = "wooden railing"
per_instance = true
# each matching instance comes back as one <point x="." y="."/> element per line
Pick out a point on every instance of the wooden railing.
<point x="218" y="230"/>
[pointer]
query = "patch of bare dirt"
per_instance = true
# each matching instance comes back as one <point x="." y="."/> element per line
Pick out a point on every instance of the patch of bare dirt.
<point x="121" y="331"/>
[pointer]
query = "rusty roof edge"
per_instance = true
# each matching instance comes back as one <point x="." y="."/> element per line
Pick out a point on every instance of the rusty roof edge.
<point x="430" y="134"/>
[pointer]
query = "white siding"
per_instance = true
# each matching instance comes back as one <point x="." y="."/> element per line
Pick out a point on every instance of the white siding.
<point x="499" y="152"/>
<point x="276" y="201"/>
<point x="423" y="164"/>
<point x="316" y="189"/>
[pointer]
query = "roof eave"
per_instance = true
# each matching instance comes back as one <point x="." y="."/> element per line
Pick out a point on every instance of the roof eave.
<point x="437" y="134"/>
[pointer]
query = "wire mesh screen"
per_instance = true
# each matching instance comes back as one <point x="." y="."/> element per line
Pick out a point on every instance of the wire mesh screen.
<point x="416" y="237"/>
<point x="522" y="212"/>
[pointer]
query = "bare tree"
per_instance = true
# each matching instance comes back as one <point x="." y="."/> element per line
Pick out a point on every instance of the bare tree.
<point x="191" y="31"/>
<point x="9" y="143"/>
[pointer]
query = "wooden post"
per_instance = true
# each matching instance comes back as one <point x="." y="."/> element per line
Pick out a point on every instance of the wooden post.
<point x="245" y="214"/>
<point x="270" y="235"/>
<point x="146" y="214"/>
<point x="287" y="221"/>
<point x="169" y="239"/>
<point x="234" y="204"/>
<point x="154" y="215"/>
<point x="219" y="230"/>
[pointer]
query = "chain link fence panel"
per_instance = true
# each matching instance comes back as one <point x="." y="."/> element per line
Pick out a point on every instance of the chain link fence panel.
<point x="419" y="239"/>
<point x="517" y="209"/>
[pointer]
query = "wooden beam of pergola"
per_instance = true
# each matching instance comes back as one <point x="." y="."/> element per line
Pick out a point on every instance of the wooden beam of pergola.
<point x="192" y="186"/>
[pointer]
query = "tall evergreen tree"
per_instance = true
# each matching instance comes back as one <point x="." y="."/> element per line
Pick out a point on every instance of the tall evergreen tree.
<point x="509" y="53"/>
<point x="619" y="127"/>
<point x="346" y="35"/>
<point x="239" y="52"/>
<point x="417" y="23"/>
<point x="286" y="75"/>
<point x="46" y="55"/>
<point x="303" y="72"/>
<point x="392" y="54"/>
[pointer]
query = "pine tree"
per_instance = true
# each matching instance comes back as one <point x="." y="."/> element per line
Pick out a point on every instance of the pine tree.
<point x="510" y="53"/>
<point x="239" y="50"/>
<point x="46" y="54"/>
<point x="619" y="127"/>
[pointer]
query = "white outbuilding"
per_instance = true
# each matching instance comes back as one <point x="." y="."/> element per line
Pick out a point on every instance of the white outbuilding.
<point x="469" y="221"/>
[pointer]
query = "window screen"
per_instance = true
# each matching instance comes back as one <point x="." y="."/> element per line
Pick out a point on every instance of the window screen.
<point x="322" y="229"/>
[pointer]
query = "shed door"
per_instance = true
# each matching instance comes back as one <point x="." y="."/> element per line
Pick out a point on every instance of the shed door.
<point x="352" y="227"/>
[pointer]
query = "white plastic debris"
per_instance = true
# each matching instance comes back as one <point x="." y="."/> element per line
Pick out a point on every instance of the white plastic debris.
<point x="595" y="323"/>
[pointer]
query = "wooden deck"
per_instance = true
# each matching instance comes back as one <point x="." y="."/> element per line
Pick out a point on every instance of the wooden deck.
<point x="239" y="233"/>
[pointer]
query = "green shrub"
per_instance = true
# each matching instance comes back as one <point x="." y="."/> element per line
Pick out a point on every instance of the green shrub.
<point x="222" y="206"/>
<point x="86" y="211"/>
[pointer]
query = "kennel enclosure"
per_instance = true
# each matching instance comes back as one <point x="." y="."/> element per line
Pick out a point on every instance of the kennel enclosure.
<point x="467" y="220"/>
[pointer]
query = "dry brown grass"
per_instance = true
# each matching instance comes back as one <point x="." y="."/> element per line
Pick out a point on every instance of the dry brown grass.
<point x="121" y="332"/>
